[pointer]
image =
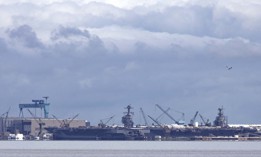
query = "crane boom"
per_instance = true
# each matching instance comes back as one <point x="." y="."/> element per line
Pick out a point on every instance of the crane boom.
<point x="39" y="122"/>
<point x="104" y="124"/>
<point x="167" y="114"/>
<point x="182" y="119"/>
<point x="108" y="120"/>
<point x="61" y="123"/>
<point x="192" y="121"/>
<point x="155" y="121"/>
<point x="73" y="118"/>
<point x="31" y="113"/>
<point x="144" y="117"/>
<point x="5" y="116"/>
<point x="162" y="114"/>
<point x="206" y="123"/>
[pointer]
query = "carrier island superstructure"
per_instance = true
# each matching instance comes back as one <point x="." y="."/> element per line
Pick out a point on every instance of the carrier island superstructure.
<point x="73" y="129"/>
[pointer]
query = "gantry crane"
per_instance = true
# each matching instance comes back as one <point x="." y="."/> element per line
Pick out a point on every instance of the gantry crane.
<point x="40" y="104"/>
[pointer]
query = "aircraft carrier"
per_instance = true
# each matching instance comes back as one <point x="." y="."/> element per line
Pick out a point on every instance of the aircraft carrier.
<point x="220" y="130"/>
<point x="102" y="131"/>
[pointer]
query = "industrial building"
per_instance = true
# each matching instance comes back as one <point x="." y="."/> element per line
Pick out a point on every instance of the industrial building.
<point x="31" y="127"/>
<point x="34" y="126"/>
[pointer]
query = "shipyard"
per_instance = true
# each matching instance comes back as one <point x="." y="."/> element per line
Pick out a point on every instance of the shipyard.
<point x="48" y="127"/>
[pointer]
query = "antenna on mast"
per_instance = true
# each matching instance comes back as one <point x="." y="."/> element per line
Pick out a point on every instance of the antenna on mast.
<point x="46" y="97"/>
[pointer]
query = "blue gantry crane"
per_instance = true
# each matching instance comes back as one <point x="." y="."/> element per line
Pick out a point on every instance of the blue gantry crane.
<point x="41" y="104"/>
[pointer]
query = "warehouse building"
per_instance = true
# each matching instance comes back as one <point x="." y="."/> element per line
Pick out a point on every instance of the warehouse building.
<point x="31" y="127"/>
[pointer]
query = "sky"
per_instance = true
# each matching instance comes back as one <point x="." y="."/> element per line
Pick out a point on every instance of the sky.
<point x="96" y="57"/>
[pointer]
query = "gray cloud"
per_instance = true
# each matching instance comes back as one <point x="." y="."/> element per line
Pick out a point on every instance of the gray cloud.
<point x="76" y="42"/>
<point x="26" y="36"/>
<point x="69" y="31"/>
<point x="94" y="58"/>
<point x="3" y="47"/>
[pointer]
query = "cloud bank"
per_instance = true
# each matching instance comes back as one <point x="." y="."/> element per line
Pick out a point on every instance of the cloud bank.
<point x="95" y="57"/>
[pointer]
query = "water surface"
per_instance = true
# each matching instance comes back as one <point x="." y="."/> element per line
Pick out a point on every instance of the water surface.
<point x="129" y="149"/>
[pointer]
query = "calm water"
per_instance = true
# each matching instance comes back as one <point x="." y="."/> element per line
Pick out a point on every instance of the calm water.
<point x="129" y="149"/>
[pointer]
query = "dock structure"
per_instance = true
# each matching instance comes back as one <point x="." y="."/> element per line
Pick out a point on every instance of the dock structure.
<point x="41" y="104"/>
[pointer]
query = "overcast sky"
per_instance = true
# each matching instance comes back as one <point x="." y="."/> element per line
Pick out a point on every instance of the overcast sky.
<point x="96" y="57"/>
